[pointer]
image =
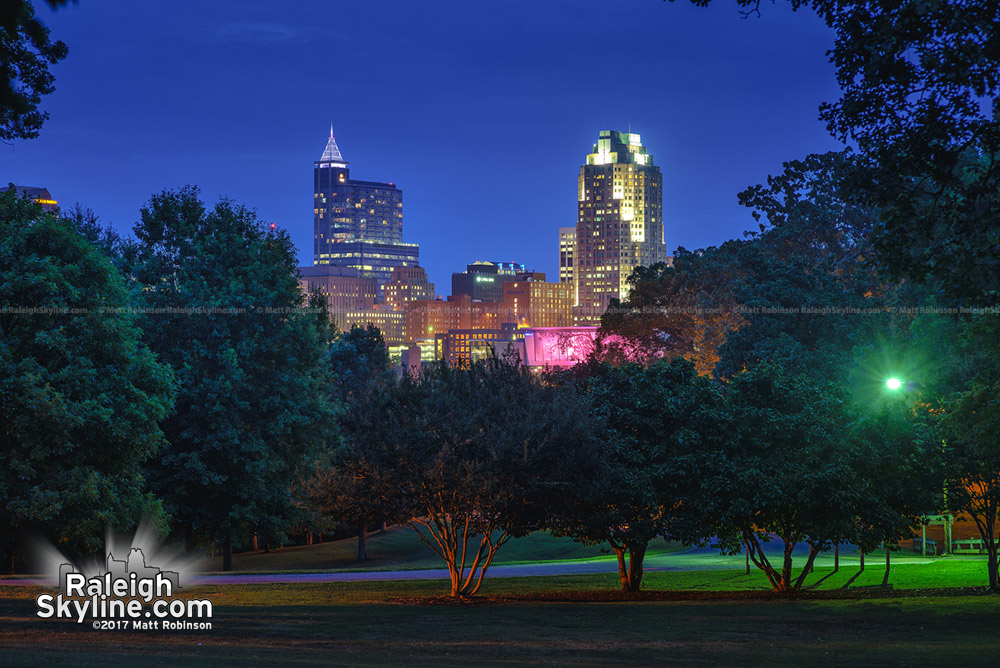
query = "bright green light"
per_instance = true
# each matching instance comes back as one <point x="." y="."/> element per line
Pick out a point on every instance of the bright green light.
<point x="894" y="383"/>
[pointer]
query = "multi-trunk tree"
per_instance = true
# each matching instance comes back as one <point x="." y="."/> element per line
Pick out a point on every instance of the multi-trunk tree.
<point x="469" y="457"/>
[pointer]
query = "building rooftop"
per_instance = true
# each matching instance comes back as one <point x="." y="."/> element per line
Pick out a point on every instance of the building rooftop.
<point x="331" y="154"/>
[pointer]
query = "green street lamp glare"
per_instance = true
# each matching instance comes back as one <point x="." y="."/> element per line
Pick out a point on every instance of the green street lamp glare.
<point x="894" y="383"/>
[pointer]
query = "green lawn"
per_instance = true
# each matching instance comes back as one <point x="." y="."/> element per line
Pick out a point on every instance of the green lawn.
<point x="378" y="624"/>
<point x="399" y="548"/>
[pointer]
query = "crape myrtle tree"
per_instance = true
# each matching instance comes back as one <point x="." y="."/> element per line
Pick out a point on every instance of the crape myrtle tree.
<point x="223" y="309"/>
<point x="469" y="457"/>
<point x="786" y="472"/>
<point x="661" y="427"/>
<point x="809" y="465"/>
<point x="920" y="85"/>
<point x="813" y="462"/>
<point x="80" y="393"/>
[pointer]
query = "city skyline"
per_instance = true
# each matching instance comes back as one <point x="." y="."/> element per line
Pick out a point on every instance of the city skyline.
<point x="485" y="145"/>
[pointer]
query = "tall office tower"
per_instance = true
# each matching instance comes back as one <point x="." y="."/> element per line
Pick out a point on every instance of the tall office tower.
<point x="620" y="221"/>
<point x="567" y="244"/>
<point x="357" y="223"/>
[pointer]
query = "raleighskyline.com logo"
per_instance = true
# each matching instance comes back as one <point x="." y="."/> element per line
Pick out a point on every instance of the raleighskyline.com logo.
<point x="127" y="595"/>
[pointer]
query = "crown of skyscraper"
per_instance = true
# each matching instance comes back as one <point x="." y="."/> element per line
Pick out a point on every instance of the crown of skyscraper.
<point x="619" y="147"/>
<point x="331" y="154"/>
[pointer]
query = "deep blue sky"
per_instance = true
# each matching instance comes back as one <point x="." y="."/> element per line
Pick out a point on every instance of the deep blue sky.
<point x="482" y="112"/>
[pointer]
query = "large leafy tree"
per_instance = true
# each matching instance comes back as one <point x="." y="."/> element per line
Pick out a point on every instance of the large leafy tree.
<point x="920" y="85"/>
<point x="80" y="394"/>
<point x="469" y="457"/>
<point x="661" y="426"/>
<point x="682" y="310"/>
<point x="802" y="467"/>
<point x="359" y="363"/>
<point x="796" y="287"/>
<point x="26" y="51"/>
<point x="223" y="309"/>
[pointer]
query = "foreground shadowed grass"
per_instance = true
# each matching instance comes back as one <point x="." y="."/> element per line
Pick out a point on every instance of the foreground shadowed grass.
<point x="368" y="624"/>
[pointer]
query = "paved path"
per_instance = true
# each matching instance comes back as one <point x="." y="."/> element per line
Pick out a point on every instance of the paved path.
<point x="694" y="559"/>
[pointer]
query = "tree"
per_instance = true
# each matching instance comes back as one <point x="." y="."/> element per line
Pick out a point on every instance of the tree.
<point x="468" y="457"/>
<point x="223" y="308"/>
<point x="682" y="310"/>
<point x="663" y="425"/>
<point x="809" y="464"/>
<point x="967" y="414"/>
<point x="80" y="394"/>
<point x="359" y="362"/>
<point x="787" y="472"/>
<point x="25" y="54"/>
<point x="920" y="84"/>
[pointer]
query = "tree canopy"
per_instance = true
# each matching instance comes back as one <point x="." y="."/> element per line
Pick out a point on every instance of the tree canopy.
<point x="26" y="51"/>
<point x="222" y="308"/>
<point x="80" y="393"/>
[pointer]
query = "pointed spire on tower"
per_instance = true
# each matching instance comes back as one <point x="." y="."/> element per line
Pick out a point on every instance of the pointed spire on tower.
<point x="331" y="154"/>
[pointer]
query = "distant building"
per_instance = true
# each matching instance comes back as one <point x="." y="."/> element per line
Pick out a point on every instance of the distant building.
<point x="344" y="290"/>
<point x="372" y="259"/>
<point x="357" y="224"/>
<point x="567" y="244"/>
<point x="557" y="346"/>
<point x="620" y="220"/>
<point x="426" y="319"/>
<point x="391" y="323"/>
<point x="481" y="281"/>
<point x="40" y="195"/>
<point x="460" y="347"/>
<point x="407" y="284"/>
<point x="508" y="268"/>
<point x="534" y="303"/>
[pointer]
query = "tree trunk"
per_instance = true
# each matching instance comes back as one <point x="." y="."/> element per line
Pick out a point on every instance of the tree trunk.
<point x="635" y="558"/>
<point x="255" y="546"/>
<point x="363" y="543"/>
<point x="227" y="554"/>
<point x="992" y="565"/>
<point x="382" y="528"/>
<point x="630" y="572"/>
<point x="786" y="566"/>
<point x="861" y="554"/>
<point x="836" y="557"/>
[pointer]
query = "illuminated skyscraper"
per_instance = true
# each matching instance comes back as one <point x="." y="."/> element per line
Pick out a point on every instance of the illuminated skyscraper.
<point x="620" y="221"/>
<point x="567" y="246"/>
<point x="357" y="223"/>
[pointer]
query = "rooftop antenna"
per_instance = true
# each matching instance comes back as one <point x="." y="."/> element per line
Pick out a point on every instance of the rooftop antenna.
<point x="331" y="129"/>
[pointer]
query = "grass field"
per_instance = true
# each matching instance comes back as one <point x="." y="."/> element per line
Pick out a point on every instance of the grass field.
<point x="399" y="548"/>
<point x="404" y="624"/>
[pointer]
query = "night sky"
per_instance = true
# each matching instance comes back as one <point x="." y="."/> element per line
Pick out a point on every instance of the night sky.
<point x="482" y="112"/>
